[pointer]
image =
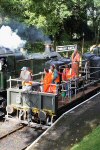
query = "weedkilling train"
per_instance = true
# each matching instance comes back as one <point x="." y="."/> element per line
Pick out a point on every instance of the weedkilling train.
<point x="36" y="105"/>
<point x="11" y="63"/>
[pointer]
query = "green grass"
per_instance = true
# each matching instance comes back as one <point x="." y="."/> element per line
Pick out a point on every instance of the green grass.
<point x="90" y="142"/>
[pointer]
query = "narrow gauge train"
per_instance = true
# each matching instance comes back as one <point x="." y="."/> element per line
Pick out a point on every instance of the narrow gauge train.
<point x="35" y="105"/>
<point x="12" y="62"/>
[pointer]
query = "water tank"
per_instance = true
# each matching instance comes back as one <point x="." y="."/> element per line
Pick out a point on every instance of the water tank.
<point x="88" y="56"/>
<point x="96" y="51"/>
<point x="65" y="60"/>
<point x="4" y="50"/>
<point x="95" y="67"/>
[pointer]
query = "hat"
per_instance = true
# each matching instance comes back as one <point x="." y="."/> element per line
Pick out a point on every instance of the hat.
<point x="24" y="68"/>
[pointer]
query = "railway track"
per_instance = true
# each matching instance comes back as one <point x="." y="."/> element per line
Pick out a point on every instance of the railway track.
<point x="19" y="137"/>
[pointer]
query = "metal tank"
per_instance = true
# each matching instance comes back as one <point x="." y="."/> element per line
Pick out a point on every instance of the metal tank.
<point x="95" y="67"/>
<point x="88" y="56"/>
<point x="96" y="51"/>
<point x="94" y="64"/>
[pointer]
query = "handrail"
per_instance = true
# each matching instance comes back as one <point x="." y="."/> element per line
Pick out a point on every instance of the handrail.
<point x="69" y="82"/>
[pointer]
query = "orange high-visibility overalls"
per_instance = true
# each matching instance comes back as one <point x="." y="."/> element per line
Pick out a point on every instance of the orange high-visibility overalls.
<point x="53" y="86"/>
<point x="47" y="81"/>
<point x="75" y="63"/>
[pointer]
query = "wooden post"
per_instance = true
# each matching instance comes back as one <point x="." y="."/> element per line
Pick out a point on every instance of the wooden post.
<point x="83" y="44"/>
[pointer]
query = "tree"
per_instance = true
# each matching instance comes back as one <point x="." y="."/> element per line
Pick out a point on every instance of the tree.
<point x="45" y="14"/>
<point x="93" y="14"/>
<point x="57" y="17"/>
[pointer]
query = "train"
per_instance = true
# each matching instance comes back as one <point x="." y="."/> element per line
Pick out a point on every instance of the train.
<point x="43" y="107"/>
<point x="11" y="63"/>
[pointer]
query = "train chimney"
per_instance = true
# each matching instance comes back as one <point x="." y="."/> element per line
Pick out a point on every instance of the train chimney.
<point x="48" y="48"/>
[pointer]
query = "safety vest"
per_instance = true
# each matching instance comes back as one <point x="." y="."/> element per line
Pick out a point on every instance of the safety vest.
<point x="64" y="74"/>
<point x="69" y="74"/>
<point x="76" y="58"/>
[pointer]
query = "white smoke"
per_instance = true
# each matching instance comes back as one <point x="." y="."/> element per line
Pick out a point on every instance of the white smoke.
<point x="10" y="39"/>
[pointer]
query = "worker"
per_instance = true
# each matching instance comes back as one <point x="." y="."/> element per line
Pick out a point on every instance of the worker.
<point x="47" y="80"/>
<point x="55" y="74"/>
<point x="55" y="79"/>
<point x="75" y="62"/>
<point x="67" y="73"/>
<point x="66" y="76"/>
<point x="26" y="77"/>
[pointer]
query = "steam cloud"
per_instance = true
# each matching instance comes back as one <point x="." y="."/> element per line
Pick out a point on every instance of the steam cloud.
<point x="12" y="33"/>
<point x="10" y="39"/>
<point x="29" y="33"/>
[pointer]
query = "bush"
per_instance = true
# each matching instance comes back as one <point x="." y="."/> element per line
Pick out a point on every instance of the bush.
<point x="35" y="47"/>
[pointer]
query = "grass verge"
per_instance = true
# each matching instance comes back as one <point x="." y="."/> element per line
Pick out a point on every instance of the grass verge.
<point x="89" y="142"/>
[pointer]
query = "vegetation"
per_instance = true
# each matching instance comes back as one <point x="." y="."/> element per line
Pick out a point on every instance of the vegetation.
<point x="90" y="142"/>
<point x="60" y="20"/>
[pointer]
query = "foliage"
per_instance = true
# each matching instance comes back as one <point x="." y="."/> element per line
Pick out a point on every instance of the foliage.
<point x="59" y="19"/>
<point x="36" y="47"/>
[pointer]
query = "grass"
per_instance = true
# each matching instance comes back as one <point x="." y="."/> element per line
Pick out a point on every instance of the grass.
<point x="90" y="142"/>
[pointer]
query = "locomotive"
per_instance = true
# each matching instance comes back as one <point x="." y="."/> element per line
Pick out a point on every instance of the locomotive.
<point x="36" y="105"/>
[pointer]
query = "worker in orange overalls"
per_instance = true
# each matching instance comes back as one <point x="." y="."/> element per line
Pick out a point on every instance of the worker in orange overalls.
<point x="47" y="80"/>
<point x="75" y="62"/>
<point x="64" y="74"/>
<point x="67" y="75"/>
<point x="55" y="79"/>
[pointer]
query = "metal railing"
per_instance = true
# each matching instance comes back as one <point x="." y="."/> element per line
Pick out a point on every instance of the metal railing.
<point x="72" y="84"/>
<point x="19" y="80"/>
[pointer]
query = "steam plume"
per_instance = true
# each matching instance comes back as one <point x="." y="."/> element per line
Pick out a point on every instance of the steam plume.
<point x="10" y="39"/>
